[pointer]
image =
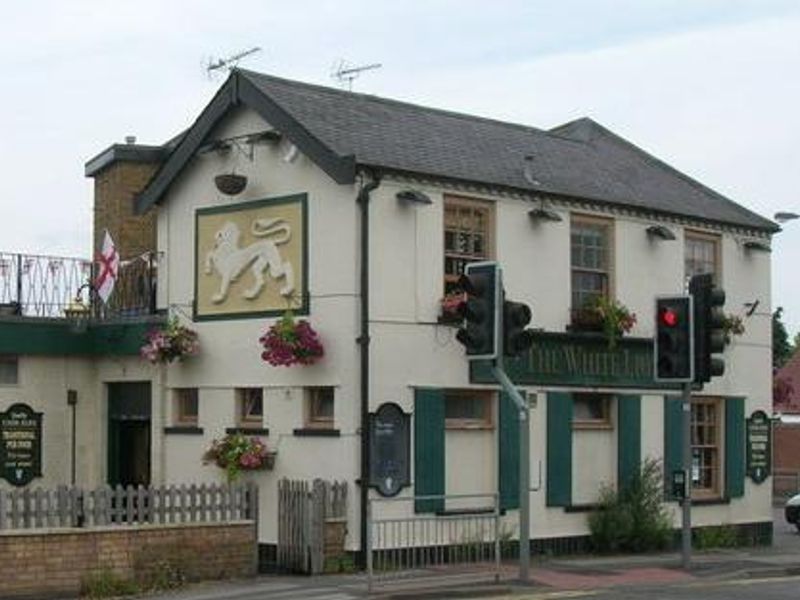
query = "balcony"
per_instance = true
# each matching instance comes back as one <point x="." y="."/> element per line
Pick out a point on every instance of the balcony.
<point x="55" y="287"/>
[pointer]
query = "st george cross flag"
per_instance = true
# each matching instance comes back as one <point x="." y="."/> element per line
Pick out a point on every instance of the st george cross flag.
<point x="108" y="270"/>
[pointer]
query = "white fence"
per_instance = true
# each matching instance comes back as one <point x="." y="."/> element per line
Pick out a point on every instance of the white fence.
<point x="103" y="506"/>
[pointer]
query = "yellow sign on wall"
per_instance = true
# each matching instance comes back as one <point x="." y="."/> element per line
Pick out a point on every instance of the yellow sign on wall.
<point x="250" y="258"/>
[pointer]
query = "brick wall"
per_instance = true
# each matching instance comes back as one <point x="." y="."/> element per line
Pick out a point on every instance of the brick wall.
<point x="786" y="447"/>
<point x="52" y="563"/>
<point x="114" y="190"/>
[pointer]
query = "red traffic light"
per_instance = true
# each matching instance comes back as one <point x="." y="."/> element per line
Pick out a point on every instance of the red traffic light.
<point x="669" y="317"/>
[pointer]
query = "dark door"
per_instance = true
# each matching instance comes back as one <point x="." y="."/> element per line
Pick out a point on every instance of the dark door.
<point x="129" y="414"/>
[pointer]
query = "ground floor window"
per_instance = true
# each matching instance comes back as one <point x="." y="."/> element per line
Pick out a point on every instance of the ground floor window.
<point x="468" y="409"/>
<point x="185" y="406"/>
<point x="9" y="370"/>
<point x="591" y="411"/>
<point x="706" y="444"/>
<point x="250" y="407"/>
<point x="319" y="407"/>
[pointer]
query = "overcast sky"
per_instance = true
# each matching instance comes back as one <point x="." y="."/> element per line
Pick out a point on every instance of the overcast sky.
<point x="710" y="86"/>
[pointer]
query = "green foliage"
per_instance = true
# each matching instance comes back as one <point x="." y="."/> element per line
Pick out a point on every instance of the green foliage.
<point x="340" y="564"/>
<point x="781" y="347"/>
<point x="163" y="567"/>
<point x="107" y="584"/>
<point x="633" y="519"/>
<point x="721" y="536"/>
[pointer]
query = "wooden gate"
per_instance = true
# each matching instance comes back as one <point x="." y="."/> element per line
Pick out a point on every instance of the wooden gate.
<point x="312" y="518"/>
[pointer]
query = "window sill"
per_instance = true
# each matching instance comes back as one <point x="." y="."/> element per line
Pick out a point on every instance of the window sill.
<point x="710" y="501"/>
<point x="456" y="426"/>
<point x="454" y="512"/>
<point x="590" y="426"/>
<point x="449" y="321"/>
<point x="184" y="430"/>
<point x="247" y="430"/>
<point x="582" y="508"/>
<point x="316" y="432"/>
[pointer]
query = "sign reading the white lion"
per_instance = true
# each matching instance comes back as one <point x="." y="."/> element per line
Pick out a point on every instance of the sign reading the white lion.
<point x="250" y="258"/>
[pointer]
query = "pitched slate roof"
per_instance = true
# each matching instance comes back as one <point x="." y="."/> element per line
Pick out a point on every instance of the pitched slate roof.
<point x="343" y="130"/>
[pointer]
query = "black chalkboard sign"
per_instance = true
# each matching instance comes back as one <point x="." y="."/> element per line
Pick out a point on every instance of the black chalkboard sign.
<point x="759" y="446"/>
<point x="389" y="449"/>
<point x="20" y="444"/>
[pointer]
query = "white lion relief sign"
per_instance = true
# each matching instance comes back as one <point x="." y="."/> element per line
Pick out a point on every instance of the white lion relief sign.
<point x="250" y="257"/>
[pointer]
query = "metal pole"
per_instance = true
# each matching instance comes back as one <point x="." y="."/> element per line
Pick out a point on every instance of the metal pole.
<point x="524" y="470"/>
<point x="686" y="530"/>
<point x="368" y="545"/>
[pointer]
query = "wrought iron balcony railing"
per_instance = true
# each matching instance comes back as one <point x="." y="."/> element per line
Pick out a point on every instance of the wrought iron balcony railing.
<point x="50" y="286"/>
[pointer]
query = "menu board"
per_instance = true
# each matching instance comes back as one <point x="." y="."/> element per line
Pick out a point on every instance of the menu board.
<point x="20" y="444"/>
<point x="759" y="446"/>
<point x="389" y="449"/>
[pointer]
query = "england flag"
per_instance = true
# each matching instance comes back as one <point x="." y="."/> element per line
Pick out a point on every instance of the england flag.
<point x="108" y="261"/>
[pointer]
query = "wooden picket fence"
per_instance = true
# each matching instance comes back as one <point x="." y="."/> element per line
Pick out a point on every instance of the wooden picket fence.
<point x="75" y="507"/>
<point x="306" y="514"/>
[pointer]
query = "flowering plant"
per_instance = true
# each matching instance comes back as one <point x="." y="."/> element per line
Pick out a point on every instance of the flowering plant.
<point x="172" y="342"/>
<point x="732" y="325"/>
<point x="288" y="342"/>
<point x="451" y="306"/>
<point x="236" y="453"/>
<point x="615" y="317"/>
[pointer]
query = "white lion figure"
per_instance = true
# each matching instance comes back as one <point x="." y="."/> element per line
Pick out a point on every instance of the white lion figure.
<point x="229" y="260"/>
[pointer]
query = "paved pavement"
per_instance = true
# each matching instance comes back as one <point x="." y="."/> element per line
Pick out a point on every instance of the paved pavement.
<point x="764" y="573"/>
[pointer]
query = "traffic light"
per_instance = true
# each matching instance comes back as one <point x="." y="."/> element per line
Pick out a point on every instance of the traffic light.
<point x="516" y="339"/>
<point x="709" y="336"/>
<point x="674" y="360"/>
<point x="481" y="283"/>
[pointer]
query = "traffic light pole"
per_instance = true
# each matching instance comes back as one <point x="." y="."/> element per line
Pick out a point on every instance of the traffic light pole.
<point x="686" y="526"/>
<point x="524" y="468"/>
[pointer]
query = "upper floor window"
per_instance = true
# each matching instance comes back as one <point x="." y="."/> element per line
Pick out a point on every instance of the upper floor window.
<point x="590" y="252"/>
<point x="467" y="236"/>
<point x="250" y="407"/>
<point x="9" y="370"/>
<point x="701" y="254"/>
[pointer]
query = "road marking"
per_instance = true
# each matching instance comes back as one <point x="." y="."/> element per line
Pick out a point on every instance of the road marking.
<point x="744" y="582"/>
<point x="554" y="595"/>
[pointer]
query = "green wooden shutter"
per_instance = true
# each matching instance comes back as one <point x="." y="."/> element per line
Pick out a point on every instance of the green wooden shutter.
<point x="734" y="447"/>
<point x="559" y="449"/>
<point x="508" y="440"/>
<point x="673" y="440"/>
<point x="629" y="438"/>
<point x="429" y="449"/>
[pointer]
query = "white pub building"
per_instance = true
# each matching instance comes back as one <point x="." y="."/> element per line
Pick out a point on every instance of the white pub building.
<point x="358" y="214"/>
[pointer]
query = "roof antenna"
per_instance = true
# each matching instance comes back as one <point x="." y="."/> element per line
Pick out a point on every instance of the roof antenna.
<point x="215" y="65"/>
<point x="343" y="72"/>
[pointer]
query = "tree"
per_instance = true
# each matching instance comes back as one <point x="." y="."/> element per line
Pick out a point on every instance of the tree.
<point x="781" y="347"/>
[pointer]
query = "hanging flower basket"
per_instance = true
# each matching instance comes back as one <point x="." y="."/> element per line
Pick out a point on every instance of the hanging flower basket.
<point x="230" y="184"/>
<point x="237" y="452"/>
<point x="451" y="306"/>
<point x="289" y="342"/>
<point x="172" y="342"/>
<point x="732" y="325"/>
<point x="615" y="317"/>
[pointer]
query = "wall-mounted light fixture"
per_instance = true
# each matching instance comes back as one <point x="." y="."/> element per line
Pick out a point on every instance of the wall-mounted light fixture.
<point x="756" y="245"/>
<point x="413" y="197"/>
<point x="542" y="213"/>
<point x="659" y="232"/>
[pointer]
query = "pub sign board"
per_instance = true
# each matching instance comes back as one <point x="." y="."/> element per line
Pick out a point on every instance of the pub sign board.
<point x="20" y="444"/>
<point x="389" y="470"/>
<point x="759" y="446"/>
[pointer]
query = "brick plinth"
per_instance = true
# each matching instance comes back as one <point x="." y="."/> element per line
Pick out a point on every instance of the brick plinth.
<point x="53" y="563"/>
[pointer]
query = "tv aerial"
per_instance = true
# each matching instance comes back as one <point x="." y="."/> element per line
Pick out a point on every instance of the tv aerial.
<point x="216" y="65"/>
<point x="345" y="72"/>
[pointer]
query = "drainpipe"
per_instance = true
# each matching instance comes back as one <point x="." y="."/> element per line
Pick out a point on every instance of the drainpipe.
<point x="363" y="342"/>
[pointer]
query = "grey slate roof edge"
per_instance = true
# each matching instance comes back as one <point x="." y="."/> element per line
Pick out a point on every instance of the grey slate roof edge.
<point x="124" y="152"/>
<point x="657" y="162"/>
<point x="556" y="195"/>
<point x="393" y="102"/>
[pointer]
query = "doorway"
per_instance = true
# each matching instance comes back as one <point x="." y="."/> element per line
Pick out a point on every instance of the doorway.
<point x="129" y="440"/>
